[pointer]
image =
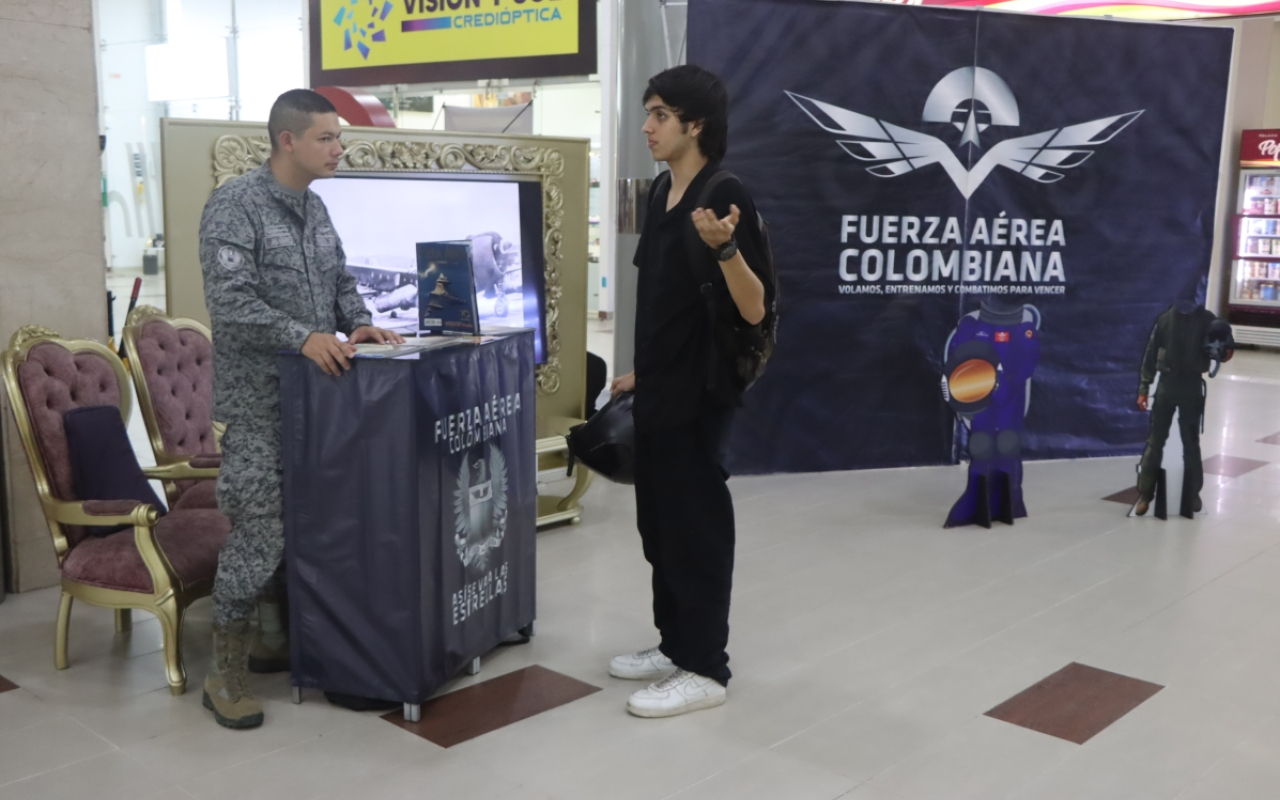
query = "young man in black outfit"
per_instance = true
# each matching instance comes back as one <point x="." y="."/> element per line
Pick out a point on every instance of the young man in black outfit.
<point x="685" y="391"/>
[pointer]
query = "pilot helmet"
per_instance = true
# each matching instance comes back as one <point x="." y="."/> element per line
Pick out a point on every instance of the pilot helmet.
<point x="1219" y="344"/>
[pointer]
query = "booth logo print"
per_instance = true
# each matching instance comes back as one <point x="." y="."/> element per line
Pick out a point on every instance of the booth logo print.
<point x="972" y="99"/>
<point x="480" y="505"/>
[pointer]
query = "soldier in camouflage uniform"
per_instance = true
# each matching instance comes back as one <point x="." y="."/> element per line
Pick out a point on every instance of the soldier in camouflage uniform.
<point x="275" y="279"/>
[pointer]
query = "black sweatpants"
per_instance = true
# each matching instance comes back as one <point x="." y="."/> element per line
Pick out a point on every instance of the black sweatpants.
<point x="685" y="515"/>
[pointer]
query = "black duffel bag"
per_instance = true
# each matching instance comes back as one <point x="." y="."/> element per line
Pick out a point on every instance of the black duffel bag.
<point x="606" y="443"/>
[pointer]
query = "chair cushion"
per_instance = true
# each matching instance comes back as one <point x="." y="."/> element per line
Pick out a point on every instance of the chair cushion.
<point x="190" y="538"/>
<point x="103" y="464"/>
<point x="54" y="380"/>
<point x="200" y="494"/>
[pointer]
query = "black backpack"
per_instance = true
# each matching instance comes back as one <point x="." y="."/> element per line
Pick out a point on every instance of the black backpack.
<point x="747" y="347"/>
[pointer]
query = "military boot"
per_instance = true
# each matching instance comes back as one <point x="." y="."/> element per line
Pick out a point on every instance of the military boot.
<point x="226" y="687"/>
<point x="270" y="651"/>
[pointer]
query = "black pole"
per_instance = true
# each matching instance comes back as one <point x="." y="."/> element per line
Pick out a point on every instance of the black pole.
<point x="982" y="515"/>
<point x="1185" y="506"/>
<point x="1004" y="485"/>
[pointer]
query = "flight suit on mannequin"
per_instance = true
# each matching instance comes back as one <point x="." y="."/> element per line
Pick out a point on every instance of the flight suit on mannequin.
<point x="1175" y="350"/>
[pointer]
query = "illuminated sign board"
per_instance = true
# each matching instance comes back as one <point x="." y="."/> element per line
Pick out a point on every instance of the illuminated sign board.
<point x="371" y="42"/>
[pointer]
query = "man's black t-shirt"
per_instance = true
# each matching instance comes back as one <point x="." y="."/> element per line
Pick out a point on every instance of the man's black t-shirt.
<point x="673" y="332"/>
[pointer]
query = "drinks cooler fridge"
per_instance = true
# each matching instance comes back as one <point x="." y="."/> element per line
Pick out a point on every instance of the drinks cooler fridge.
<point x="1253" y="305"/>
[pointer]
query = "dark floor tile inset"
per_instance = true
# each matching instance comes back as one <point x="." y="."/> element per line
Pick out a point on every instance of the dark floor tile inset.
<point x="1128" y="496"/>
<point x="467" y="713"/>
<point x="1232" y="466"/>
<point x="6" y="685"/>
<point x="1272" y="439"/>
<point x="1075" y="703"/>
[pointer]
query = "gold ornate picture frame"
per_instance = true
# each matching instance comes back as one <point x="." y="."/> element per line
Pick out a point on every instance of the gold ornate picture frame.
<point x="234" y="155"/>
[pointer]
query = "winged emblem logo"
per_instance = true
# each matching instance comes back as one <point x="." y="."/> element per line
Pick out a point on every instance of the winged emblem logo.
<point x="972" y="99"/>
<point x="480" y="507"/>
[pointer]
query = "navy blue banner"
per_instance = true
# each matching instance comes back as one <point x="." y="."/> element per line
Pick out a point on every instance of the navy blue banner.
<point x="914" y="162"/>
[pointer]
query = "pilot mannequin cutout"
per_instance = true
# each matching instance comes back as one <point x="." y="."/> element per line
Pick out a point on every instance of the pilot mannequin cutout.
<point x="1186" y="341"/>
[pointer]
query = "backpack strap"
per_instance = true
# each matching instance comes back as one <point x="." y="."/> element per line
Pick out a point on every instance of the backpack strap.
<point x="701" y="251"/>
<point x="699" y="254"/>
<point x="697" y="249"/>
<point x="720" y="177"/>
<point x="706" y="273"/>
<point x="706" y="270"/>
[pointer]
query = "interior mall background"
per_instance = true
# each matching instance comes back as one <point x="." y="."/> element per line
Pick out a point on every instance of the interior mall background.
<point x="229" y="59"/>
<point x="244" y="54"/>
<point x="74" y="70"/>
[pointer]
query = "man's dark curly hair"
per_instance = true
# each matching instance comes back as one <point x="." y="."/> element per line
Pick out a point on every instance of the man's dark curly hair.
<point x="696" y="95"/>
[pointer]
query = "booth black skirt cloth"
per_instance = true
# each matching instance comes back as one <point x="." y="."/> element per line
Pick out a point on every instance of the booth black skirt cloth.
<point x="685" y="515"/>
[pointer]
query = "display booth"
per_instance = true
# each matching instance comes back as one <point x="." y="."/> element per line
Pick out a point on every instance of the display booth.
<point x="421" y="559"/>
<point x="520" y="200"/>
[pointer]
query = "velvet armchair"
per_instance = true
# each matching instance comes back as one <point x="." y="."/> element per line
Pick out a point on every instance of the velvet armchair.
<point x="160" y="564"/>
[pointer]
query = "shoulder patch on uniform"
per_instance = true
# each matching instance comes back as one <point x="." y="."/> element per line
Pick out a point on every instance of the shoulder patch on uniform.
<point x="230" y="257"/>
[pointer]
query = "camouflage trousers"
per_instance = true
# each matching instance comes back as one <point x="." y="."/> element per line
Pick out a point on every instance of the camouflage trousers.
<point x="249" y="493"/>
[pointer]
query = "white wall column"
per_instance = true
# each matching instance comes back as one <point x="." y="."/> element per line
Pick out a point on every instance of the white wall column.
<point x="641" y="54"/>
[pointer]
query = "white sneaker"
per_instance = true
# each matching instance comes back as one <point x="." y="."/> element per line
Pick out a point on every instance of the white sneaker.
<point x="646" y="665"/>
<point x="678" y="693"/>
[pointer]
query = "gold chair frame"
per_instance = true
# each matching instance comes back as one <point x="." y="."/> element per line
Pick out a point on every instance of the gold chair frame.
<point x="552" y="449"/>
<point x="133" y="324"/>
<point x="169" y="599"/>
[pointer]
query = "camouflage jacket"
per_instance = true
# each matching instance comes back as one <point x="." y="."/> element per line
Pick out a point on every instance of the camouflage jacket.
<point x="274" y="273"/>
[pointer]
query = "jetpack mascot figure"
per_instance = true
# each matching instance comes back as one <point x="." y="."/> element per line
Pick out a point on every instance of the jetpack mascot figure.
<point x="988" y="363"/>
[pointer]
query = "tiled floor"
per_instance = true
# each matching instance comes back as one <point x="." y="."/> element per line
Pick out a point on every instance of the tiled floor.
<point x="1127" y="496"/>
<point x="1075" y="703"/>
<point x="492" y="704"/>
<point x="867" y="644"/>
<point x="1231" y="466"/>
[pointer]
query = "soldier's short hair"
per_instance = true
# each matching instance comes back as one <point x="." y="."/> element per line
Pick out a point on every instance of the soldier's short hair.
<point x="293" y="112"/>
